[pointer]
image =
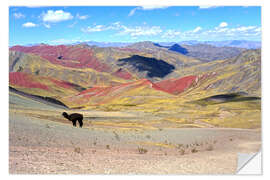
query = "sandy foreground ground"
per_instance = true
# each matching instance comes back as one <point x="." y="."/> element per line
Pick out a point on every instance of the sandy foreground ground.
<point x="41" y="141"/>
<point x="39" y="146"/>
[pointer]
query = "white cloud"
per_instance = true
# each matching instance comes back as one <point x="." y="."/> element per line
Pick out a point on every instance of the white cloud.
<point x="29" y="25"/>
<point x="242" y="32"/>
<point x="133" y="11"/>
<point x="56" y="16"/>
<point x="124" y="30"/>
<point x="146" y="7"/>
<point x="141" y="31"/>
<point x="47" y="25"/>
<point x="18" y="15"/>
<point x="170" y="34"/>
<point x="197" y="29"/>
<point x="82" y="17"/>
<point x="236" y="33"/>
<point x="223" y="24"/>
<point x="221" y="29"/>
<point x="153" y="7"/>
<point x="245" y="28"/>
<point x="220" y="32"/>
<point x="64" y="41"/>
<point x="207" y="7"/>
<point x="115" y="26"/>
<point x="96" y="28"/>
<point x="258" y="29"/>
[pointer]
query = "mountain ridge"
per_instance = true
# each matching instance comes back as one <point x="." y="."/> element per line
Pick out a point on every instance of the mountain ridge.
<point x="69" y="74"/>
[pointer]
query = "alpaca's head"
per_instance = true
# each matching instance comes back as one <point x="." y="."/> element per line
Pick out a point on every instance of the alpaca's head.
<point x="65" y="114"/>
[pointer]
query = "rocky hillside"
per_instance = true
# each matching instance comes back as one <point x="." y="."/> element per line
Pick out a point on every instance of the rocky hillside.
<point x="83" y="76"/>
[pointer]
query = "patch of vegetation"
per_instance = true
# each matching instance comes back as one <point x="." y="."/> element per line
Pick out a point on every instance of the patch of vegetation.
<point x="142" y="150"/>
<point x="128" y="104"/>
<point x="20" y="69"/>
<point x="182" y="151"/>
<point x="194" y="150"/>
<point x="179" y="146"/>
<point x="37" y="72"/>
<point x="107" y="108"/>
<point x="77" y="149"/>
<point x="234" y="115"/>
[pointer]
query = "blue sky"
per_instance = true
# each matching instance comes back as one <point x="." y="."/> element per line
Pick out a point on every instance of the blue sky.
<point x="60" y="25"/>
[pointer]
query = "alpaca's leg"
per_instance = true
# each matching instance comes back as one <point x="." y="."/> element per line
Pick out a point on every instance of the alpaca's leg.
<point x="80" y="122"/>
<point x="74" y="123"/>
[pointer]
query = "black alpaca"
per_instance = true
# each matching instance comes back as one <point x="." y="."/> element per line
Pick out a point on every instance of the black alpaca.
<point x="74" y="117"/>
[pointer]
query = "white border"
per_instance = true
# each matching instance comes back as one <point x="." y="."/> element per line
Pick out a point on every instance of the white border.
<point x="265" y="73"/>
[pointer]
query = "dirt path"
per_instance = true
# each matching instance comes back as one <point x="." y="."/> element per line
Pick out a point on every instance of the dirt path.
<point x="40" y="146"/>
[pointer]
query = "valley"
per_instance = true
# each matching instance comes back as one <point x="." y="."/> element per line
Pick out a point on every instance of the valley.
<point x="144" y="106"/>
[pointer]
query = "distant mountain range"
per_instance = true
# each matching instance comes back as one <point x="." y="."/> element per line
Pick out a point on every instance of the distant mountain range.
<point x="204" y="52"/>
<point x="230" y="43"/>
<point x="236" y="43"/>
<point x="104" y="44"/>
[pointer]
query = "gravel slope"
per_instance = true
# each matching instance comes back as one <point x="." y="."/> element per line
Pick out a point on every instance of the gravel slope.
<point x="40" y="146"/>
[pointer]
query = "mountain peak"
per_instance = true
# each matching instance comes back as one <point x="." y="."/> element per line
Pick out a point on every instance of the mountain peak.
<point x="143" y="44"/>
<point x="178" y="48"/>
